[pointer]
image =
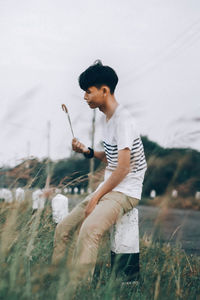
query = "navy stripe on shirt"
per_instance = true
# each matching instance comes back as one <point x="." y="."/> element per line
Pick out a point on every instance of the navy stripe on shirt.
<point x="137" y="157"/>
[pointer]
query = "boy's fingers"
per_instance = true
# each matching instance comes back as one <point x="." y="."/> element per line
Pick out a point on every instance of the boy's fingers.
<point x="77" y="146"/>
<point x="74" y="141"/>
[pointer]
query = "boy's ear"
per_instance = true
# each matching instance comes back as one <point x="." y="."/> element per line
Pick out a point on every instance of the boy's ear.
<point x="106" y="90"/>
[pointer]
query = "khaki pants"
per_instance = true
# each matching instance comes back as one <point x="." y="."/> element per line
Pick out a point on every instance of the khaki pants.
<point x="77" y="238"/>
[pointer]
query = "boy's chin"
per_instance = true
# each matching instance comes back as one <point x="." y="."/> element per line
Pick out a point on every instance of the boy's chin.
<point x="92" y="106"/>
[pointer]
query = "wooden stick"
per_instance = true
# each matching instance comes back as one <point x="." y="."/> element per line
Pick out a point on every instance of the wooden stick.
<point x="64" y="108"/>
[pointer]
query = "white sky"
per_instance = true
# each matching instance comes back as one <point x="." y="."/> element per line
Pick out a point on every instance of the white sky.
<point x="153" y="45"/>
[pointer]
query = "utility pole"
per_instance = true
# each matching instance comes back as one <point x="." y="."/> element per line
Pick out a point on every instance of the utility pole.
<point x="28" y="149"/>
<point x="27" y="157"/>
<point x="48" y="154"/>
<point x="92" y="146"/>
<point x="48" y="138"/>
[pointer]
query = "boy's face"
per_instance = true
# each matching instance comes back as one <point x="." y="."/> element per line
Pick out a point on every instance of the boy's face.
<point x="94" y="97"/>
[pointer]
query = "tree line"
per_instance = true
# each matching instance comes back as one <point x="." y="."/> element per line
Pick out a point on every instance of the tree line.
<point x="168" y="169"/>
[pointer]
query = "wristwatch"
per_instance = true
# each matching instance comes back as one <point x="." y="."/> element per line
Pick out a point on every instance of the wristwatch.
<point x="89" y="155"/>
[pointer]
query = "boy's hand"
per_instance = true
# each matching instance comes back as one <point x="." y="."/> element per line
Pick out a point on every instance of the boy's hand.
<point x="91" y="205"/>
<point x="79" y="147"/>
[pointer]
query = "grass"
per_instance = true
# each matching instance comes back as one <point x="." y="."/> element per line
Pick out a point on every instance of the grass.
<point x="26" y="245"/>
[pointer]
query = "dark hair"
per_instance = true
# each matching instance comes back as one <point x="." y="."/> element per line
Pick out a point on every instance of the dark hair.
<point x="98" y="75"/>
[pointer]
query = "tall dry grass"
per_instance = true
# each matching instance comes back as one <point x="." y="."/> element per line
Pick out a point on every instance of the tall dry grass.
<point x="26" y="245"/>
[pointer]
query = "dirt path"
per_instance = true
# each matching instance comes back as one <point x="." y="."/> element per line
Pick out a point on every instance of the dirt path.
<point x="173" y="225"/>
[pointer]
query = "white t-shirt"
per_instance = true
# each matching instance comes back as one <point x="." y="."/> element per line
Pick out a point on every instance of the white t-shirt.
<point x="120" y="132"/>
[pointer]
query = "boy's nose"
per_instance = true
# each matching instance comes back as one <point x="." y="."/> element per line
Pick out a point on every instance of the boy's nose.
<point x="85" y="96"/>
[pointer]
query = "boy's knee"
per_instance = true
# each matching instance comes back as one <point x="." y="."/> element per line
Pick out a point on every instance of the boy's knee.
<point x="90" y="229"/>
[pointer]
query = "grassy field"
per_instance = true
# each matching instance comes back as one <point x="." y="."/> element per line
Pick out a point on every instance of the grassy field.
<point x="26" y="244"/>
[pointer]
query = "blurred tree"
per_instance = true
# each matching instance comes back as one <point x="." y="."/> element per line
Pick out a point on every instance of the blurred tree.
<point x="167" y="169"/>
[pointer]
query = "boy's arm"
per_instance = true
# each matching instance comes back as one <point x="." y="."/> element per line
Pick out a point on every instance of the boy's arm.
<point x="100" y="155"/>
<point x="81" y="148"/>
<point x="116" y="177"/>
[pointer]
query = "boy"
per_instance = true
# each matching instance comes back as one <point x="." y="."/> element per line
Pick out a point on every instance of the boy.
<point x="124" y="174"/>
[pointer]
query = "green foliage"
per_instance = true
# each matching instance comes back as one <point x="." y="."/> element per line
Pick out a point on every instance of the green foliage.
<point x="150" y="147"/>
<point x="38" y="175"/>
<point x="167" y="169"/>
<point x="171" y="168"/>
<point x="73" y="170"/>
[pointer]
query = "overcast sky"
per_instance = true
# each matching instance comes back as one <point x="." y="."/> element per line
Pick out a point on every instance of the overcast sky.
<point x="153" y="45"/>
